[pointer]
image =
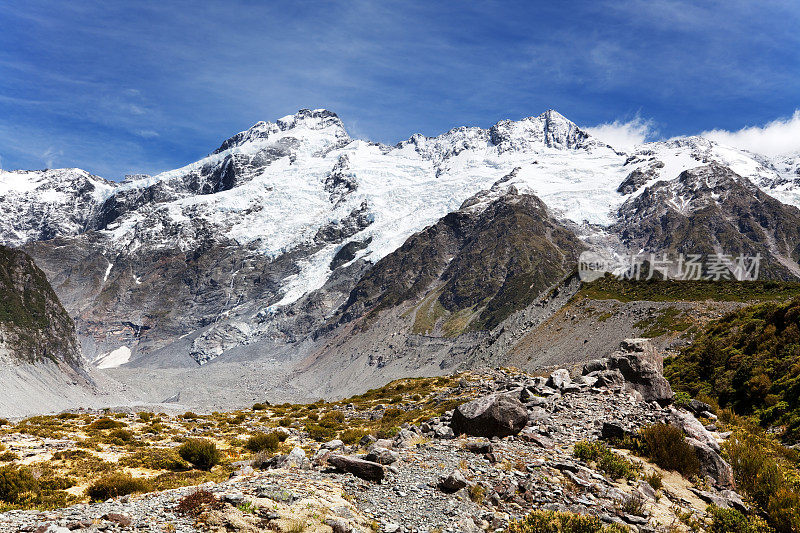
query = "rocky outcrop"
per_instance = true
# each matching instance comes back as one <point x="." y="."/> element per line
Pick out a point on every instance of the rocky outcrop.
<point x="638" y="366"/>
<point x="496" y="415"/>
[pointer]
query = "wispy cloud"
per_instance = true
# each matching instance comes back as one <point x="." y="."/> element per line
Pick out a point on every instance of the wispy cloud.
<point x="779" y="137"/>
<point x="625" y="135"/>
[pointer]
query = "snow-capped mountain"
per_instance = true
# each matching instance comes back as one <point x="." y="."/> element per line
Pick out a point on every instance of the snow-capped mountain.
<point x="266" y="236"/>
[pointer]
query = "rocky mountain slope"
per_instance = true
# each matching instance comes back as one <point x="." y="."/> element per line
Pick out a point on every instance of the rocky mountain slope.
<point x="293" y="243"/>
<point x="41" y="367"/>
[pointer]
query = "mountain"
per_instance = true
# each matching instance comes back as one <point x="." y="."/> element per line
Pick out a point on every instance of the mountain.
<point x="41" y="367"/>
<point x="709" y="210"/>
<point x="292" y="240"/>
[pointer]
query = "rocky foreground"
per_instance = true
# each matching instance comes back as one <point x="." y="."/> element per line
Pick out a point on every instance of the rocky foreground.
<point x="510" y="450"/>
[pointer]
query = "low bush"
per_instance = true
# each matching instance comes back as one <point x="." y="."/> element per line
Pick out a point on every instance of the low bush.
<point x="259" y="442"/>
<point x="320" y="433"/>
<point x="332" y="419"/>
<point x="733" y="521"/>
<point x="665" y="446"/>
<point x="654" y="479"/>
<point x="156" y="459"/>
<point x="762" y="477"/>
<point x="106" y="423"/>
<point x="607" y="461"/>
<point x="260" y="406"/>
<point x="352" y="435"/>
<point x="393" y="412"/>
<point x="541" y="521"/>
<point x="15" y="482"/>
<point x="201" y="453"/>
<point x="198" y="502"/>
<point x="115" y="485"/>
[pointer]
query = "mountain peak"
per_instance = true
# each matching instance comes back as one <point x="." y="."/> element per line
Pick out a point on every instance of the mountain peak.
<point x="304" y="121"/>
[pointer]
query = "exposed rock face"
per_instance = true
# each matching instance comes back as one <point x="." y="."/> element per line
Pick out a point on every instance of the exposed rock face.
<point x="638" y="366"/>
<point x="710" y="210"/>
<point x="496" y="415"/>
<point x="496" y="253"/>
<point x="33" y="324"/>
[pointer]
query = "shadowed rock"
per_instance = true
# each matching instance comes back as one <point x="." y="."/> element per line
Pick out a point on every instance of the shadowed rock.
<point x="496" y="415"/>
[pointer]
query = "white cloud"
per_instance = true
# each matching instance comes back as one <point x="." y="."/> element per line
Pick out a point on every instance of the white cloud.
<point x="624" y="135"/>
<point x="779" y="137"/>
<point x="49" y="156"/>
<point x="147" y="134"/>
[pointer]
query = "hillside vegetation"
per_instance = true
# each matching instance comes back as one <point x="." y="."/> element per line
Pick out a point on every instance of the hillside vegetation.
<point x="749" y="361"/>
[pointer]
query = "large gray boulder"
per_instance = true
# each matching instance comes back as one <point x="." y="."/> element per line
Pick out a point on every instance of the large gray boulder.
<point x="712" y="464"/>
<point x="642" y="366"/>
<point x="692" y="427"/>
<point x="495" y="415"/>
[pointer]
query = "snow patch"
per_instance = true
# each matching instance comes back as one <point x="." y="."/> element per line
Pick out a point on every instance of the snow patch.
<point x="114" y="358"/>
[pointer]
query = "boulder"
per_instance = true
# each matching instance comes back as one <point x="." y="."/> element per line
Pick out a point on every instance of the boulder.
<point x="362" y="468"/>
<point x="642" y="366"/>
<point x="692" y="427"/>
<point x="379" y="455"/>
<point x="612" y="431"/>
<point x="559" y="378"/>
<point x="712" y="464"/>
<point x="495" y="415"/>
<point x="607" y="378"/>
<point x="453" y="482"/>
<point x="595" y="365"/>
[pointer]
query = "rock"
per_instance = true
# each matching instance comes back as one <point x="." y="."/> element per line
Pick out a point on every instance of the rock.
<point x="444" y="432"/>
<point x="384" y="443"/>
<point x="453" y="482"/>
<point x="366" y="440"/>
<point x="294" y="459"/>
<point x="595" y="365"/>
<point x="234" y="499"/>
<point x="559" y="378"/>
<point x="495" y="415"/>
<point x="479" y="446"/>
<point x="332" y="445"/>
<point x="692" y="427"/>
<point x="608" y="378"/>
<point x="642" y="366"/>
<point x="362" y="468"/>
<point x="119" y="518"/>
<point x="612" y="431"/>
<point x="338" y="525"/>
<point x="379" y="455"/>
<point x="532" y="436"/>
<point x="645" y="490"/>
<point x="712" y="464"/>
<point x="697" y="407"/>
<point x="391" y="527"/>
<point x="727" y="499"/>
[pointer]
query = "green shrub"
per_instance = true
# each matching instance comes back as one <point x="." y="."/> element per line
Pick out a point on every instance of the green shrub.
<point x="541" y="521"/>
<point x="119" y="436"/>
<point x="393" y="412"/>
<point x="259" y="442"/>
<point x="654" y="479"/>
<point x="320" y="433"/>
<point x="260" y="406"/>
<point x="332" y="419"/>
<point x="201" y="453"/>
<point x="607" y="461"/>
<point x="156" y="459"/>
<point x="145" y="417"/>
<point x="106" y="423"/>
<point x="189" y="415"/>
<point x="115" y="485"/>
<point x="666" y="447"/>
<point x="14" y="482"/>
<point x="733" y="521"/>
<point x="4" y="422"/>
<point x="762" y="477"/>
<point x="352" y="435"/>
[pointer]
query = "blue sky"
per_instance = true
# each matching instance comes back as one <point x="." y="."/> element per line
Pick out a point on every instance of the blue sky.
<point x="124" y="87"/>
